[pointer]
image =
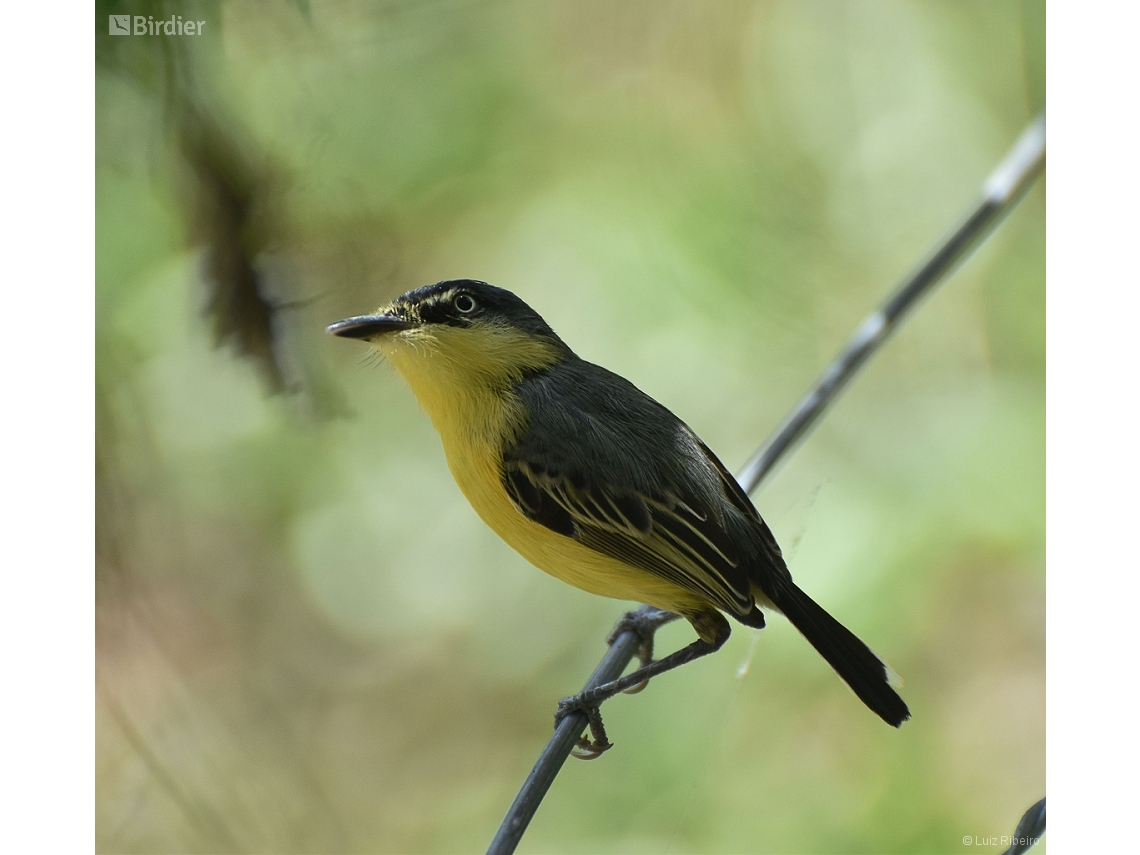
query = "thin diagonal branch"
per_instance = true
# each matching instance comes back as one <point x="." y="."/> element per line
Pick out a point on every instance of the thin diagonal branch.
<point x="1000" y="193"/>
<point x="1029" y="830"/>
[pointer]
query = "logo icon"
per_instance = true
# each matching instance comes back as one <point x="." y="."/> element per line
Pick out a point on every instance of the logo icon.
<point x="120" y="25"/>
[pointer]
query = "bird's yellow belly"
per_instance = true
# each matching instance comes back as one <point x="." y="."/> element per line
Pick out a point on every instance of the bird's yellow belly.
<point x="475" y="467"/>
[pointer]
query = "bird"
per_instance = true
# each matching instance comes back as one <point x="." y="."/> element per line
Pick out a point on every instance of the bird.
<point x="599" y="485"/>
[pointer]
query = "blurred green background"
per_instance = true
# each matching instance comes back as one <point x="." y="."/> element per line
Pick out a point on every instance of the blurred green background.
<point x="308" y="642"/>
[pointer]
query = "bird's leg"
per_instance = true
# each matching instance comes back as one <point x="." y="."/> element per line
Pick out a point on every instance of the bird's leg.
<point x="643" y="623"/>
<point x="714" y="631"/>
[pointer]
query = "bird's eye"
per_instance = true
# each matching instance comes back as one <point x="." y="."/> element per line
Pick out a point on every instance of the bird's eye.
<point x="464" y="303"/>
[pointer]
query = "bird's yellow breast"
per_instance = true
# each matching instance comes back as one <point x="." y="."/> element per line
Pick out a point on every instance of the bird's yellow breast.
<point x="463" y="380"/>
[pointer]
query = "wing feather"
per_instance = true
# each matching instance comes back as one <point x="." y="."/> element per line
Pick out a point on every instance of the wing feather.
<point x="664" y="535"/>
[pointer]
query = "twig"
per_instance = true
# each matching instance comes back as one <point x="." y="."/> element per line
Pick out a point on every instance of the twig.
<point x="558" y="749"/>
<point x="1029" y="830"/>
<point x="1000" y="193"/>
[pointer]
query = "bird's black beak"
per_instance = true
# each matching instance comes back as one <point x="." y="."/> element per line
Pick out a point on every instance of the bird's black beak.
<point x="366" y="326"/>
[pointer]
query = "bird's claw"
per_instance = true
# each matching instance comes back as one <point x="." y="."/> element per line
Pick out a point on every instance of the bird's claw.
<point x="585" y="748"/>
<point x="643" y="623"/>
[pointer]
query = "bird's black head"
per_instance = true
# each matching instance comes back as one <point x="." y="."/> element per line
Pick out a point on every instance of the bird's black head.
<point x="464" y="303"/>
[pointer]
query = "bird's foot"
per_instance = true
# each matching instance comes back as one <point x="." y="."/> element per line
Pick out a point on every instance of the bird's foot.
<point x="590" y="699"/>
<point x="586" y="748"/>
<point x="644" y="623"/>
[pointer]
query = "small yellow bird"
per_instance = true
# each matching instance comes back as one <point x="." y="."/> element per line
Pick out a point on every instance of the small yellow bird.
<point x="597" y="484"/>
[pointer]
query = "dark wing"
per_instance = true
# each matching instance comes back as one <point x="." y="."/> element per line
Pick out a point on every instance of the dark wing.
<point x="606" y="465"/>
<point x="771" y="558"/>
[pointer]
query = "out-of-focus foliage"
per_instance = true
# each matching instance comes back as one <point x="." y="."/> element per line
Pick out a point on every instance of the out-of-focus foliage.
<point x="307" y="641"/>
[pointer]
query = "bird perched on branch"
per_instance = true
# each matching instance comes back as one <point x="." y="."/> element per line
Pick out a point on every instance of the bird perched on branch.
<point x="597" y="484"/>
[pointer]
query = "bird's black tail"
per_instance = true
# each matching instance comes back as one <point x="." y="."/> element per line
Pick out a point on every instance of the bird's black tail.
<point x="866" y="674"/>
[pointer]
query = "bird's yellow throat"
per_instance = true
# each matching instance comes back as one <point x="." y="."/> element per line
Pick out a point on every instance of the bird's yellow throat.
<point x="463" y="377"/>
